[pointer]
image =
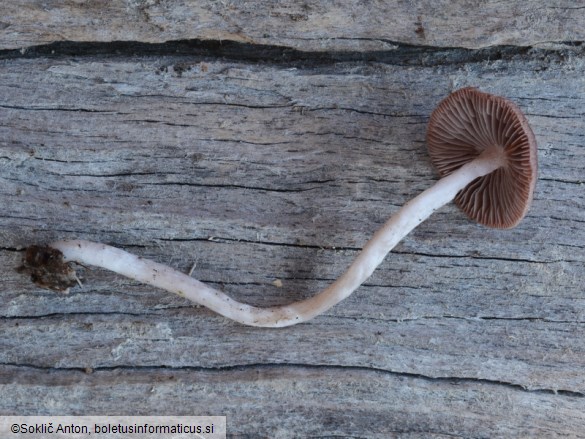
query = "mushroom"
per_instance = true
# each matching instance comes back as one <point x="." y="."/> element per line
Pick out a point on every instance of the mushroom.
<point x="483" y="149"/>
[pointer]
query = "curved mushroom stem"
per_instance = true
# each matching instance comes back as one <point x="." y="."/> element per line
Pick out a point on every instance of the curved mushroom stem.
<point x="407" y="218"/>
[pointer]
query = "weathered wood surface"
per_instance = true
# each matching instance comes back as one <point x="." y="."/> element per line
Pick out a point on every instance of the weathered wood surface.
<point x="271" y="171"/>
<point x="305" y="25"/>
<point x="294" y="401"/>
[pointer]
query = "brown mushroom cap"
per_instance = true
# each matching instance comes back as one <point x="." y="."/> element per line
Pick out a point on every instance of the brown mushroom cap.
<point x="466" y="123"/>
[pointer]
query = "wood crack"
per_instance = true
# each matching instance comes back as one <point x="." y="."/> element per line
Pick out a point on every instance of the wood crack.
<point x="357" y="249"/>
<point x="465" y="318"/>
<point x="229" y="186"/>
<point x="453" y="380"/>
<point x="401" y="54"/>
<point x="78" y="110"/>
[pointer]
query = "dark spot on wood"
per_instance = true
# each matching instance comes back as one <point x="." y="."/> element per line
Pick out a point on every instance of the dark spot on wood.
<point x="127" y="187"/>
<point x="420" y="30"/>
<point x="196" y="157"/>
<point x="299" y="17"/>
<point x="181" y="68"/>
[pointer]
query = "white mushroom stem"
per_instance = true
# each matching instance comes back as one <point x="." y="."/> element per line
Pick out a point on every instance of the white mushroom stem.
<point x="407" y="218"/>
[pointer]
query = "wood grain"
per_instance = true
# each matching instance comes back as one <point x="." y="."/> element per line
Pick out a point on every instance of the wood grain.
<point x="299" y="401"/>
<point x="258" y="171"/>
<point x="313" y="25"/>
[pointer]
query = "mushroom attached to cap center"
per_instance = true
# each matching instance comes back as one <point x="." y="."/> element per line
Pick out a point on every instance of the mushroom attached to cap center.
<point x="483" y="149"/>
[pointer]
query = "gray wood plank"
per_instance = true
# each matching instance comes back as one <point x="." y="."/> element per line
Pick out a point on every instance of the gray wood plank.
<point x="264" y="172"/>
<point x="303" y="401"/>
<point x="311" y="25"/>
